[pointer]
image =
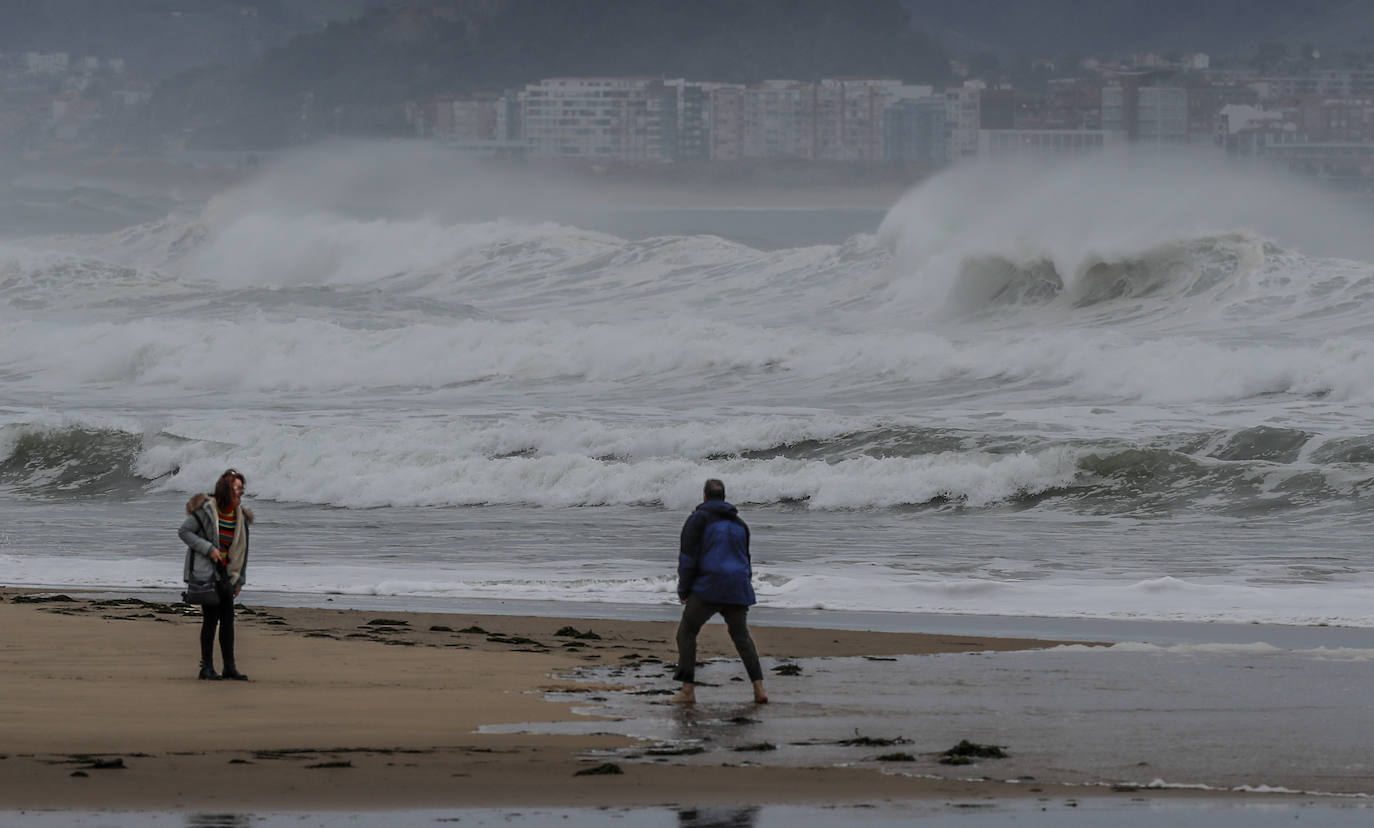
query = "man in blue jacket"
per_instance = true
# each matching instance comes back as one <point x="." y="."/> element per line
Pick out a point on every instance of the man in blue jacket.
<point x="714" y="575"/>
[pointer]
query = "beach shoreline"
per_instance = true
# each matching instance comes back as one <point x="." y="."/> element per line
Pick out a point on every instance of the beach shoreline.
<point x="352" y="710"/>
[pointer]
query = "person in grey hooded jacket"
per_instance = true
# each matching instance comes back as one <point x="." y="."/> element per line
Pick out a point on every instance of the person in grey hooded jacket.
<point x="216" y="536"/>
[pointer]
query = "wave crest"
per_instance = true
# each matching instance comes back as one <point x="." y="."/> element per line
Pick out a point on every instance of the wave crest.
<point x="1118" y="225"/>
<point x="70" y="461"/>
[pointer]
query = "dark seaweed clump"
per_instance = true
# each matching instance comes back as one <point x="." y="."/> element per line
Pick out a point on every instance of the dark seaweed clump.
<point x="965" y="752"/>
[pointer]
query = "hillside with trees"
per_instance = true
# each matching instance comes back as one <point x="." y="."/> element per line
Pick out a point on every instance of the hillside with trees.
<point x="157" y="38"/>
<point x="1114" y="28"/>
<point x="354" y="77"/>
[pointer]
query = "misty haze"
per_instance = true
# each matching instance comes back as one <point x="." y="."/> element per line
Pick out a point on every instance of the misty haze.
<point x="1022" y="324"/>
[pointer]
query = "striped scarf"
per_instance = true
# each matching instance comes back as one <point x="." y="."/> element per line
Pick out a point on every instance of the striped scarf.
<point x="227" y="524"/>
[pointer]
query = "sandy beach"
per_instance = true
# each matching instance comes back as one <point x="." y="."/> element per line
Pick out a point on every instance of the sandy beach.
<point x="356" y="710"/>
<point x="350" y="709"/>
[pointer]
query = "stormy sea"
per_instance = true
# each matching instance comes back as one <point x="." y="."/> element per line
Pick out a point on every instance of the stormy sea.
<point x="1118" y="388"/>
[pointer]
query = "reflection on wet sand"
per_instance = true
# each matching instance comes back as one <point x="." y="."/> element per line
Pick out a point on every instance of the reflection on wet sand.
<point x="200" y="820"/>
<point x="740" y="817"/>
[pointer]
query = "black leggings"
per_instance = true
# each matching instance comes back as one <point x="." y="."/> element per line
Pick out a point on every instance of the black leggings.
<point x="223" y="617"/>
<point x="694" y="615"/>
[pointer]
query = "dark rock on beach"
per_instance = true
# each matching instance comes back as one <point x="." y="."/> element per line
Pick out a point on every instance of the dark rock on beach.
<point x="603" y="769"/>
<point x="572" y="632"/>
<point x="675" y="751"/>
<point x="512" y="639"/>
<point x="870" y="741"/>
<point x="965" y="752"/>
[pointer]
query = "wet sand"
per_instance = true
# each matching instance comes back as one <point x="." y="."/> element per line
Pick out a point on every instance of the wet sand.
<point x="353" y="710"/>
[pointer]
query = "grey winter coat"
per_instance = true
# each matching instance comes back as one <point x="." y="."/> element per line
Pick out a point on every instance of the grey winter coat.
<point x="199" y="532"/>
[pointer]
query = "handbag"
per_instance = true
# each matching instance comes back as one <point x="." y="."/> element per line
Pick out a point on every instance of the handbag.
<point x="204" y="593"/>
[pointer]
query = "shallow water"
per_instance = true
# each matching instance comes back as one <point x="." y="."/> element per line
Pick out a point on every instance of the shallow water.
<point x="1009" y="563"/>
<point x="1220" y="716"/>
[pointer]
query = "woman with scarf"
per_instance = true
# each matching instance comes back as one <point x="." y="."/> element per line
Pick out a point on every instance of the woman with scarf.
<point x="216" y="536"/>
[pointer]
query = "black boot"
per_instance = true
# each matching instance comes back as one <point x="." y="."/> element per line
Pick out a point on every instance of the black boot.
<point x="207" y="672"/>
<point x="232" y="672"/>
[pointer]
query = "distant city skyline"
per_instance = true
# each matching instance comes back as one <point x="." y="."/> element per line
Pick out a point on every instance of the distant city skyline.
<point x="1291" y="104"/>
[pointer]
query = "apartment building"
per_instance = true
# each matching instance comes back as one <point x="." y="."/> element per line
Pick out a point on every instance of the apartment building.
<point x="586" y="118"/>
<point x="1340" y="119"/>
<point x="780" y="120"/>
<point x="726" y="130"/>
<point x="1146" y="114"/>
<point x="634" y="120"/>
<point x="963" y="119"/>
<point x="916" y="131"/>
<point x="850" y="116"/>
<point x="690" y="117"/>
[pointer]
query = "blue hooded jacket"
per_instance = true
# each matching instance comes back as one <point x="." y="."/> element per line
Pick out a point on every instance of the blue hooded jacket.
<point x="713" y="561"/>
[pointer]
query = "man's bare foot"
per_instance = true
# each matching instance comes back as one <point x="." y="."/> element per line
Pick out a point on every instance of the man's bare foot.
<point x="760" y="697"/>
<point x="688" y="695"/>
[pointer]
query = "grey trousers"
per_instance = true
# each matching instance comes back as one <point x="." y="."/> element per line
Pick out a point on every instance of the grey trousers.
<point x="695" y="614"/>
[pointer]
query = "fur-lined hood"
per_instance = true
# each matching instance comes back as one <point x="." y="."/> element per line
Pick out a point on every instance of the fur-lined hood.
<point x="198" y="500"/>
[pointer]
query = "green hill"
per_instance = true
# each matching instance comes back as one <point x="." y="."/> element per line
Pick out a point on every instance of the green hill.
<point x="352" y="77"/>
<point x="161" y="37"/>
<point x="1120" y="27"/>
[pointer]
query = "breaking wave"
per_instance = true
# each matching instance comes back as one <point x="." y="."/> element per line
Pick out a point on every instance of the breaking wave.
<point x="1171" y="273"/>
<point x="580" y="462"/>
<point x="1112" y="227"/>
<point x="75" y="461"/>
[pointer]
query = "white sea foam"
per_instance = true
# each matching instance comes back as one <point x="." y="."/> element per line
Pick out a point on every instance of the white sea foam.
<point x="647" y="583"/>
<point x="446" y="464"/>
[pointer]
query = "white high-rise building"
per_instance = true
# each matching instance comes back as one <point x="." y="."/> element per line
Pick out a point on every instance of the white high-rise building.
<point x="588" y="118"/>
<point x="962" y="119"/>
